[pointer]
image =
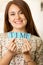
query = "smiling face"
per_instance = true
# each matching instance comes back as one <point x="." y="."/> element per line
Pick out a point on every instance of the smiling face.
<point x="16" y="18"/>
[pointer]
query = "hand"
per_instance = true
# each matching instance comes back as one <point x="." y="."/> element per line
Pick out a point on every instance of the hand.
<point x="26" y="46"/>
<point x="12" y="47"/>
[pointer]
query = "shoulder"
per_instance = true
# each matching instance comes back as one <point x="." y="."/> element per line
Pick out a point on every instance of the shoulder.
<point x="3" y="37"/>
<point x="35" y="37"/>
<point x="36" y="40"/>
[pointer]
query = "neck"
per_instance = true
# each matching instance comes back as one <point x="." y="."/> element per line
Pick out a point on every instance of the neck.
<point x="18" y="30"/>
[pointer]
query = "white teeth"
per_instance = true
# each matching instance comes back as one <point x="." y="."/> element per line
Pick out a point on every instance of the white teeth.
<point x="18" y="22"/>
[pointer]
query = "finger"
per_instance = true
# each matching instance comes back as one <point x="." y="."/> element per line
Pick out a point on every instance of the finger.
<point x="15" y="50"/>
<point x="28" y="46"/>
<point x="10" y="45"/>
<point x="24" y="49"/>
<point x="12" y="40"/>
<point x="27" y="43"/>
<point x="14" y="46"/>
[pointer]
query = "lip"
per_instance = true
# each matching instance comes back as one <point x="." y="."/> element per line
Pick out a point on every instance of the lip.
<point x="18" y="21"/>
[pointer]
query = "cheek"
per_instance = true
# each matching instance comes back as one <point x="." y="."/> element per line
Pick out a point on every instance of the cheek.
<point x="10" y="19"/>
<point x="25" y="20"/>
<point x="23" y="17"/>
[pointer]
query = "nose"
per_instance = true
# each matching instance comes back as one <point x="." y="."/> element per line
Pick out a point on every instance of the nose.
<point x="17" y="16"/>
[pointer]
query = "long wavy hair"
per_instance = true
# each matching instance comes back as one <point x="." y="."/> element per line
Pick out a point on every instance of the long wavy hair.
<point x="30" y="27"/>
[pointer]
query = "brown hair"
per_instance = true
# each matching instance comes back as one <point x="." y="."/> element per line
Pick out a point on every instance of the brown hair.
<point x="30" y="28"/>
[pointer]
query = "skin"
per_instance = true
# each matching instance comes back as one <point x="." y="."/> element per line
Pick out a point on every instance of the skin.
<point x="18" y="20"/>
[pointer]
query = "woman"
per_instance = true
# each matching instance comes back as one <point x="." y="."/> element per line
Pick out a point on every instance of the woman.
<point x="18" y="18"/>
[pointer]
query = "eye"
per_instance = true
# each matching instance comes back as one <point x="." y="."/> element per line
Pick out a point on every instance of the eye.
<point x="20" y="12"/>
<point x="12" y="14"/>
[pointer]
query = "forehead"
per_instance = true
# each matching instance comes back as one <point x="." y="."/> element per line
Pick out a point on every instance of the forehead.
<point x="14" y="7"/>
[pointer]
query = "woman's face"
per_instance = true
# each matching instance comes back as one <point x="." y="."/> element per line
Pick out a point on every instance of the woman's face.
<point x="16" y="17"/>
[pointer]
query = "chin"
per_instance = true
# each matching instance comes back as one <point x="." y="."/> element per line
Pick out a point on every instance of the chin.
<point x="18" y="26"/>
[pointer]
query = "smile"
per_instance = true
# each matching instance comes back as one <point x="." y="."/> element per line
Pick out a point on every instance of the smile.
<point x="18" y="21"/>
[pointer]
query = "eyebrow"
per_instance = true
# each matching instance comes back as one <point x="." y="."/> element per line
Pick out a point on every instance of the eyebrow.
<point x="11" y="12"/>
<point x="14" y="12"/>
